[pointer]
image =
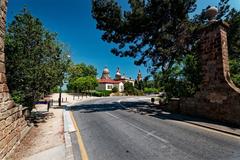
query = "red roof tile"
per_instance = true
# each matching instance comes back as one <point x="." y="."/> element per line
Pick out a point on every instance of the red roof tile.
<point x="110" y="81"/>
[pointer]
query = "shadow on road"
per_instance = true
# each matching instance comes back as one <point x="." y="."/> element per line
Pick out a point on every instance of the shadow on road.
<point x="144" y="108"/>
<point x="89" y="108"/>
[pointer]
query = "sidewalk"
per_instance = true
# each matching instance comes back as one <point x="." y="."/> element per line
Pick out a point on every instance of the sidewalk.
<point x="45" y="140"/>
<point x="49" y="139"/>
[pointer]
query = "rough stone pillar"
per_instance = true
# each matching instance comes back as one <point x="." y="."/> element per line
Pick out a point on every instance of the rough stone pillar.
<point x="4" y="96"/>
<point x="13" y="126"/>
<point x="218" y="98"/>
<point x="214" y="58"/>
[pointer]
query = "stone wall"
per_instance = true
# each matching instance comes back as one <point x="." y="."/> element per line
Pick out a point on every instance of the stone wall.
<point x="218" y="98"/>
<point x="13" y="126"/>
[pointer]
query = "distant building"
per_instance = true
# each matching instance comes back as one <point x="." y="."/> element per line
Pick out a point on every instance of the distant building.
<point x="106" y="83"/>
<point x="122" y="78"/>
<point x="139" y="77"/>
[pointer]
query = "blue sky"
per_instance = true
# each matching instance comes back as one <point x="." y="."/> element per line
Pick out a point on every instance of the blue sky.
<point x="72" y="20"/>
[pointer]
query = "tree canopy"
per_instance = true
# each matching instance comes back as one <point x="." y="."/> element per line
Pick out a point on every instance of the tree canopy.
<point x="154" y="32"/>
<point x="81" y="84"/>
<point x="164" y="36"/>
<point x="81" y="70"/>
<point x="35" y="59"/>
<point x="82" y="77"/>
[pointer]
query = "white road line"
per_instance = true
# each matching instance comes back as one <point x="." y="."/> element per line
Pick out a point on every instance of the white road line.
<point x="143" y="130"/>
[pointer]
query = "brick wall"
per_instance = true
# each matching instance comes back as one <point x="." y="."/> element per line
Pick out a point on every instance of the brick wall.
<point x="218" y="98"/>
<point x="13" y="126"/>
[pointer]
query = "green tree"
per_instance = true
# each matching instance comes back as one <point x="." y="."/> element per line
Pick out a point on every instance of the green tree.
<point x="35" y="60"/>
<point x="84" y="84"/>
<point x="235" y="71"/>
<point x="129" y="88"/>
<point x="233" y="18"/>
<point x="155" y="32"/>
<point x="76" y="71"/>
<point x="115" y="90"/>
<point x="139" y="85"/>
<point x="81" y="70"/>
<point x="162" y="35"/>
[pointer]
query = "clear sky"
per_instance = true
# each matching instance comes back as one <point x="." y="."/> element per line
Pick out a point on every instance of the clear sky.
<point x="72" y="20"/>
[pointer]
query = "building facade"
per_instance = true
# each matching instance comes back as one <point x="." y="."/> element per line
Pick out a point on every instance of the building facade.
<point x="106" y="83"/>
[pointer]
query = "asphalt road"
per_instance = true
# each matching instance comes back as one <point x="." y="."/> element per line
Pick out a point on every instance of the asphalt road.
<point x="110" y="132"/>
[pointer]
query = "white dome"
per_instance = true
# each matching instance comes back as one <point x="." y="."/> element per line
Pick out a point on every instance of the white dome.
<point x="118" y="74"/>
<point x="106" y="70"/>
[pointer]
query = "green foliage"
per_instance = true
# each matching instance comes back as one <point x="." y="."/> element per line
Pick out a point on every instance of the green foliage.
<point x="182" y="79"/>
<point x="115" y="90"/>
<point x="82" y="84"/>
<point x="101" y="93"/>
<point x="17" y="96"/>
<point x="149" y="83"/>
<point x="81" y="70"/>
<point x="235" y="71"/>
<point x="106" y="93"/>
<point x="128" y="88"/>
<point x="35" y="60"/>
<point x="233" y="18"/>
<point x="97" y="94"/>
<point x="138" y="92"/>
<point x="55" y="90"/>
<point x="79" y="74"/>
<point x="191" y="69"/>
<point x="139" y="85"/>
<point x="144" y="32"/>
<point x="168" y="46"/>
<point x="151" y="90"/>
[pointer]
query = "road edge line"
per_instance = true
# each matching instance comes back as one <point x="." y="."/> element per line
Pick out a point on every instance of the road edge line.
<point x="82" y="148"/>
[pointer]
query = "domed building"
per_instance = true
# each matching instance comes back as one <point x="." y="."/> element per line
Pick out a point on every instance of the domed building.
<point x="123" y="78"/>
<point x="118" y="74"/>
<point x="106" y="83"/>
<point x="105" y="73"/>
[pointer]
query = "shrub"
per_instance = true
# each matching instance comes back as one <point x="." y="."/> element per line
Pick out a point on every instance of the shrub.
<point x="115" y="90"/>
<point x="101" y="93"/>
<point x="150" y="90"/>
<point x="17" y="97"/>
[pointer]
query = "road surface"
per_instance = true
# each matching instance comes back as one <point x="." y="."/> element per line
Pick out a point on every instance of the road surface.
<point x="110" y="132"/>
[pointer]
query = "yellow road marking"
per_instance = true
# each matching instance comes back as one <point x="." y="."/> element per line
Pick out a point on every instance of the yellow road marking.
<point x="83" y="151"/>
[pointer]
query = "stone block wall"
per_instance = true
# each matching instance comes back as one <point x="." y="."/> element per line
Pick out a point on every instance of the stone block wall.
<point x="218" y="98"/>
<point x="13" y="126"/>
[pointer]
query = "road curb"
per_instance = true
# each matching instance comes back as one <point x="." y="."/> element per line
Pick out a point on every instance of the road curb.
<point x="68" y="128"/>
<point x="213" y="128"/>
<point x="202" y="125"/>
<point x="68" y="147"/>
